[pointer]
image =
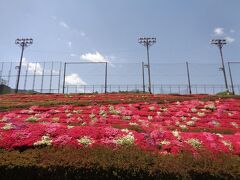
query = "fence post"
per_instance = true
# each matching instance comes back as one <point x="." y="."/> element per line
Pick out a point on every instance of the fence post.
<point x="26" y="76"/>
<point x="1" y="74"/>
<point x="51" y="74"/>
<point x="59" y="77"/>
<point x="64" y="74"/>
<point x="9" y="74"/>
<point x="106" y="78"/>
<point x="43" y="70"/>
<point x="34" y="76"/>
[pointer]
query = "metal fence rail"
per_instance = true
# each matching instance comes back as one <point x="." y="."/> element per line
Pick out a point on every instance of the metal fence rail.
<point x="157" y="88"/>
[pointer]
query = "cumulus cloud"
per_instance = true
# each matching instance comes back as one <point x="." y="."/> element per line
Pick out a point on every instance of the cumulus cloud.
<point x="229" y="39"/>
<point x="64" y="24"/>
<point x="73" y="55"/>
<point x="69" y="43"/>
<point x="74" y="79"/>
<point x="218" y="31"/>
<point x="54" y="18"/>
<point x="83" y="34"/>
<point x="33" y="67"/>
<point x="94" y="57"/>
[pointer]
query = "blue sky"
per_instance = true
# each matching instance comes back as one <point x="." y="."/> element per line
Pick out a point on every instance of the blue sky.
<point x="98" y="30"/>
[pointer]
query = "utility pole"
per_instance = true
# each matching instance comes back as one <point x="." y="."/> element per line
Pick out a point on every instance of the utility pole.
<point x="147" y="42"/>
<point x="22" y="43"/>
<point x="220" y="43"/>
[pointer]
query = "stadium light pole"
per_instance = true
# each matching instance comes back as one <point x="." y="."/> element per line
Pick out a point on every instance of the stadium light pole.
<point x="220" y="43"/>
<point x="147" y="42"/>
<point x="24" y="42"/>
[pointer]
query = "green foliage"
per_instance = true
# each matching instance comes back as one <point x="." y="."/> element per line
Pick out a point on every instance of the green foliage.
<point x="105" y="163"/>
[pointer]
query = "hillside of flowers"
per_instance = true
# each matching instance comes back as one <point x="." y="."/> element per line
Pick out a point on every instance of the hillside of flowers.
<point x="162" y="124"/>
<point x="168" y="128"/>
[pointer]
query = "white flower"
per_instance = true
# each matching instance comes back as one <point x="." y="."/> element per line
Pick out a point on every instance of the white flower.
<point x="133" y="124"/>
<point x="176" y="134"/>
<point x="228" y="144"/>
<point x="195" y="143"/>
<point x="215" y="123"/>
<point x="45" y="140"/>
<point x="152" y="108"/>
<point x="194" y="110"/>
<point x="183" y="127"/>
<point x="235" y="124"/>
<point x="201" y="114"/>
<point x="210" y="107"/>
<point x="32" y="119"/>
<point x="125" y="140"/>
<point x="85" y="141"/>
<point x="126" y="117"/>
<point x="183" y="118"/>
<point x="7" y="126"/>
<point x="164" y="142"/>
<point x="150" y="118"/>
<point x="190" y="123"/>
<point x="194" y="118"/>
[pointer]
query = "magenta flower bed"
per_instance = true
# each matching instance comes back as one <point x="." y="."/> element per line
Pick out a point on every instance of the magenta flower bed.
<point x="165" y="128"/>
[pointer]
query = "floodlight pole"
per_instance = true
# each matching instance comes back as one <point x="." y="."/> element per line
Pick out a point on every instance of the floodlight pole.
<point x="143" y="78"/>
<point x="189" y="82"/>
<point x="147" y="42"/>
<point x="230" y="73"/>
<point x="220" y="43"/>
<point x="23" y="43"/>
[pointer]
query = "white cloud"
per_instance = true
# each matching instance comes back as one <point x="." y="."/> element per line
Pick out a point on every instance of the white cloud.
<point x="69" y="44"/>
<point x="73" y="55"/>
<point x="64" y="24"/>
<point x="229" y="39"/>
<point x="74" y="79"/>
<point x="94" y="57"/>
<point x="54" y="18"/>
<point x="218" y="31"/>
<point x="232" y="31"/>
<point x="83" y="34"/>
<point x="33" y="67"/>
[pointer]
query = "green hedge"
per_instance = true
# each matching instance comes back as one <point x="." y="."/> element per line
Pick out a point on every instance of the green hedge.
<point x="105" y="163"/>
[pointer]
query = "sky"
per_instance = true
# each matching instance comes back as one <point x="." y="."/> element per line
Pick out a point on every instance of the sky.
<point x="108" y="30"/>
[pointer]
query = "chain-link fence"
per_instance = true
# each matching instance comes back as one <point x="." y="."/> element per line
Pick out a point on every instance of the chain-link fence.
<point x="52" y="77"/>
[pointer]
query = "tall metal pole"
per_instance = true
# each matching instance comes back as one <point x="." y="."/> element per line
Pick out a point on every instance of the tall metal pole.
<point x="143" y="78"/>
<point x="149" y="73"/>
<point x="106" y="78"/>
<point x="220" y="43"/>
<point x="19" y="70"/>
<point x="23" y="43"/>
<point x="189" y="82"/>
<point x="147" y="42"/>
<point x="223" y="68"/>
<point x="64" y="74"/>
<point x="230" y="73"/>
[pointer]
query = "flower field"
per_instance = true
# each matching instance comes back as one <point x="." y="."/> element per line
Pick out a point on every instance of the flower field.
<point x="162" y="124"/>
